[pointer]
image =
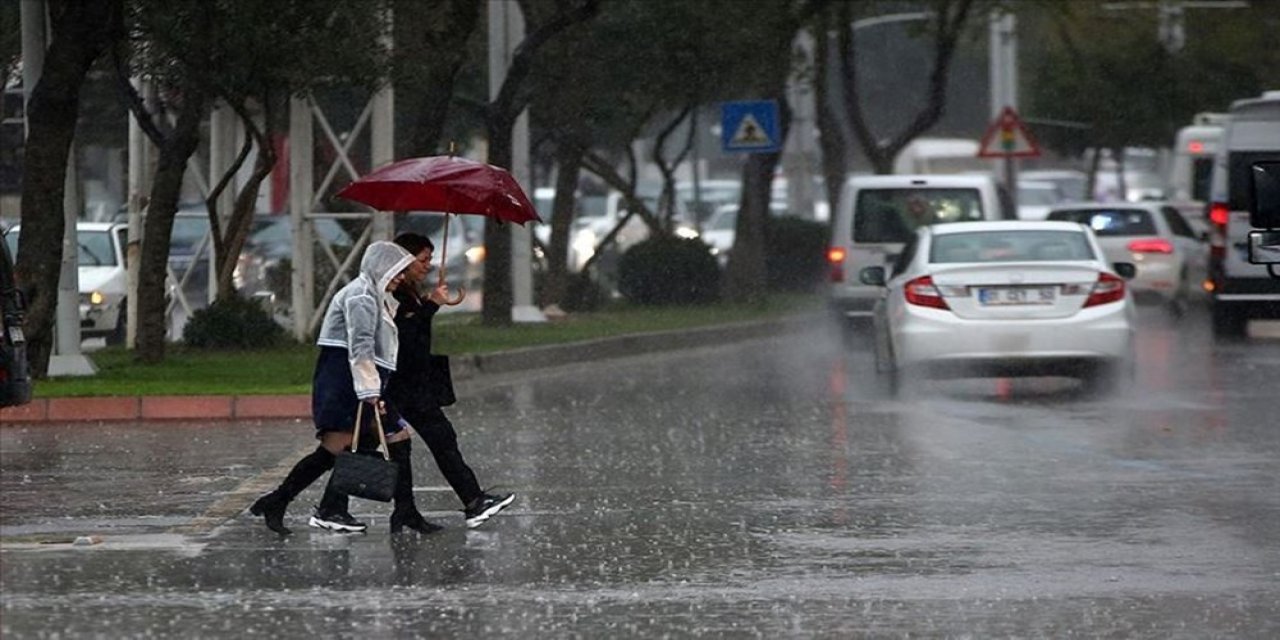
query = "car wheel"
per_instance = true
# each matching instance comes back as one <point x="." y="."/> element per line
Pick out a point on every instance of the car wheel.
<point x="1228" y="322"/>
<point x="117" y="335"/>
<point x="1177" y="304"/>
<point x="888" y="376"/>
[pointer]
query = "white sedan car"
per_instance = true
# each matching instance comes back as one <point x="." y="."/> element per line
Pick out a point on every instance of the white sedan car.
<point x="1170" y="255"/>
<point x="102" y="275"/>
<point x="1003" y="298"/>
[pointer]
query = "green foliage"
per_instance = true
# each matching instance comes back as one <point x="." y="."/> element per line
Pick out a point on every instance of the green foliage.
<point x="233" y="323"/>
<point x="666" y="270"/>
<point x="222" y="45"/>
<point x="1104" y="68"/>
<point x="795" y="249"/>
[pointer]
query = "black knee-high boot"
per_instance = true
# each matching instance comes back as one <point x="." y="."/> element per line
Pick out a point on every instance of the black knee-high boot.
<point x="406" y="513"/>
<point x="272" y="505"/>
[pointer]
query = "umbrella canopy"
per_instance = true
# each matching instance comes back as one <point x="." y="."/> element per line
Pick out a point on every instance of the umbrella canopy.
<point x="444" y="183"/>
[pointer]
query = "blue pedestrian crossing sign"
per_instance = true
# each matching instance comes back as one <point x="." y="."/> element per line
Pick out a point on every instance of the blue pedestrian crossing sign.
<point x="750" y="126"/>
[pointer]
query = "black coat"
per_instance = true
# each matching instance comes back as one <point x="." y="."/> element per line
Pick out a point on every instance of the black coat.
<point x="418" y="381"/>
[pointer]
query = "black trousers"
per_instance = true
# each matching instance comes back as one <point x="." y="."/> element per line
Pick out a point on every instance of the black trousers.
<point x="442" y="440"/>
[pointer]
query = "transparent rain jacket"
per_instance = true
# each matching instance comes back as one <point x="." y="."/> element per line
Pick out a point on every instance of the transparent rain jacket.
<point x="361" y="317"/>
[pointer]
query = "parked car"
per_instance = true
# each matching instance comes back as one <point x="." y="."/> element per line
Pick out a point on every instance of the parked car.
<point x="597" y="215"/>
<point x="977" y="299"/>
<point x="15" y="376"/>
<point x="879" y="213"/>
<point x="103" y="277"/>
<point x="1241" y="291"/>
<point x="711" y="196"/>
<point x="261" y="264"/>
<point x="719" y="232"/>
<point x="1169" y="255"/>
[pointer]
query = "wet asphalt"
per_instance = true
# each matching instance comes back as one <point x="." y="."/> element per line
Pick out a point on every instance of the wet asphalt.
<point x="760" y="489"/>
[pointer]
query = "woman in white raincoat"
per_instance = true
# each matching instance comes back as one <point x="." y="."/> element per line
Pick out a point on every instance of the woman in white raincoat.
<point x="358" y="344"/>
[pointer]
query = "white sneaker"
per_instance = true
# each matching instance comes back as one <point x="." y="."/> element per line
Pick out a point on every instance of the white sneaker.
<point x="487" y="506"/>
<point x="340" y="522"/>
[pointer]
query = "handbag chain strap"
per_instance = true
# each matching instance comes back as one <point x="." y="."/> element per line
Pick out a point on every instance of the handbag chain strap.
<point x="382" y="437"/>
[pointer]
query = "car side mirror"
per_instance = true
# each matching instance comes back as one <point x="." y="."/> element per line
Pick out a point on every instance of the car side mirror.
<point x="872" y="276"/>
<point x="1125" y="270"/>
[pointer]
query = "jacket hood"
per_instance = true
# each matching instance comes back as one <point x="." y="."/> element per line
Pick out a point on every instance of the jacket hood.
<point x="382" y="261"/>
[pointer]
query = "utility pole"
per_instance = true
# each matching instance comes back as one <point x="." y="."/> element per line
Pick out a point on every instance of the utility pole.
<point x="1003" y="65"/>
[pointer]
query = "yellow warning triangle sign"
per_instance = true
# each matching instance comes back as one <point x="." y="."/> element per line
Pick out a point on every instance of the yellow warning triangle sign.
<point x="750" y="134"/>
<point x="1008" y="137"/>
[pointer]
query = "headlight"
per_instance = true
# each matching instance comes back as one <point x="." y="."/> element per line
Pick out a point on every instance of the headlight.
<point x="475" y="254"/>
<point x="687" y="233"/>
<point x="96" y="298"/>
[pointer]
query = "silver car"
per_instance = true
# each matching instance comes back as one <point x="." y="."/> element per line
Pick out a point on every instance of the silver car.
<point x="979" y="299"/>
<point x="1171" y="257"/>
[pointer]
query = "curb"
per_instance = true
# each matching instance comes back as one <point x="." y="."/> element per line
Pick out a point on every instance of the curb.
<point x="464" y="367"/>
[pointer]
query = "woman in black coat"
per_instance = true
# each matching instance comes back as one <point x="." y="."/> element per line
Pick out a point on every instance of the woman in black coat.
<point x="420" y="387"/>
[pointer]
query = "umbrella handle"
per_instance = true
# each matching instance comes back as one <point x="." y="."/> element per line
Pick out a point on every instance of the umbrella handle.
<point x="444" y="256"/>
<point x="462" y="293"/>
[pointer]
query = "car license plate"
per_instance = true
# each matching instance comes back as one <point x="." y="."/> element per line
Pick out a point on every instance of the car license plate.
<point x="1013" y="296"/>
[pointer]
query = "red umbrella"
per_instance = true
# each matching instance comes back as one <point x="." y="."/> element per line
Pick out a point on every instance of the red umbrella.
<point x="448" y="184"/>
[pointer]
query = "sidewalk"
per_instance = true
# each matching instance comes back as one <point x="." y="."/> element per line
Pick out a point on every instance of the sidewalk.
<point x="464" y="367"/>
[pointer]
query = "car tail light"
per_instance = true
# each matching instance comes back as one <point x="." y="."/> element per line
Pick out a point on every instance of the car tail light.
<point x="1108" y="288"/>
<point x="922" y="292"/>
<point x="835" y="258"/>
<point x="1218" y="214"/>
<point x="1151" y="245"/>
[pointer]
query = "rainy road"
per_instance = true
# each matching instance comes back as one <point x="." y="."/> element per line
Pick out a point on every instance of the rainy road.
<point x="751" y="490"/>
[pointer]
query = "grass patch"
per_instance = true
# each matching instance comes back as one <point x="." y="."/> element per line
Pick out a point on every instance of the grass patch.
<point x="287" y="370"/>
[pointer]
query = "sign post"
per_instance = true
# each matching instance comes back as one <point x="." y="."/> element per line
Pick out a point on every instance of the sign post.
<point x="1008" y="138"/>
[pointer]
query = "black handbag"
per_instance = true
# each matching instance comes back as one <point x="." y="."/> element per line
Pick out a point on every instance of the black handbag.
<point x="440" y="380"/>
<point x="365" y="475"/>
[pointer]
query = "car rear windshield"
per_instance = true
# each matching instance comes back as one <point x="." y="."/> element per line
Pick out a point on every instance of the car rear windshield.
<point x="1110" y="222"/>
<point x="892" y="215"/>
<point x="1009" y="246"/>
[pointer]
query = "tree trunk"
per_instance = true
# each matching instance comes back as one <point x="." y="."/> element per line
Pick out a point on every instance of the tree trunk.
<point x="746" y="275"/>
<point x="230" y="238"/>
<point x="497" y="304"/>
<point x="81" y="31"/>
<point x="555" y="285"/>
<point x="158" y="226"/>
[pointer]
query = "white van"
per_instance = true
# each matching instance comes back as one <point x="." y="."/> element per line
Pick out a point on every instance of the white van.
<point x="941" y="156"/>
<point x="878" y="214"/>
<point x="1194" y="148"/>
<point x="1241" y="290"/>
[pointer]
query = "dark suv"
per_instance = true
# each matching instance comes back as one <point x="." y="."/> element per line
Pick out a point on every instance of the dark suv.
<point x="15" y="377"/>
